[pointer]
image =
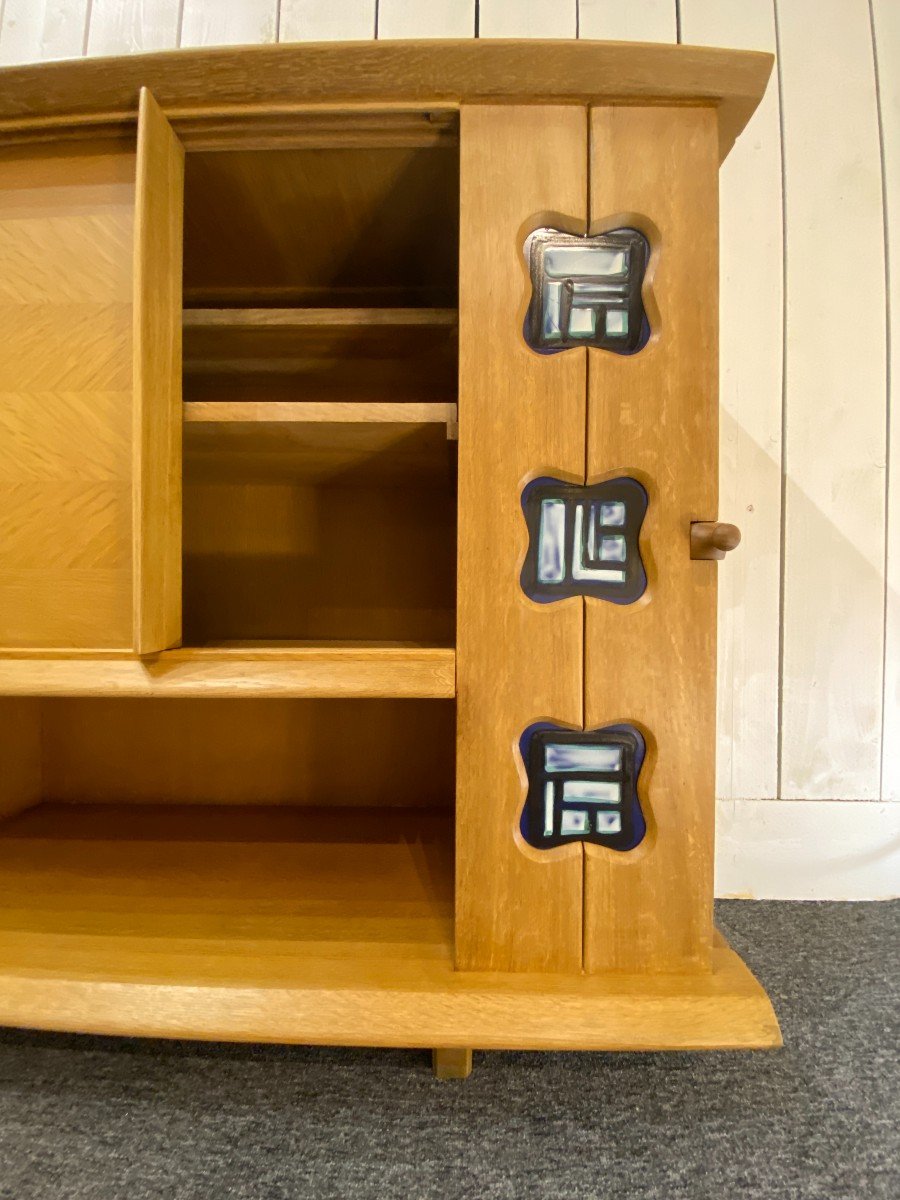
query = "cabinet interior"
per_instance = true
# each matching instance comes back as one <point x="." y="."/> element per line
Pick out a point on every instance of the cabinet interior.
<point x="319" y="508"/>
<point x="319" y="385"/>
<point x="307" y="828"/>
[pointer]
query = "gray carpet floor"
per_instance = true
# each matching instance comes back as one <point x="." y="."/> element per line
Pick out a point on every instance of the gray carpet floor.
<point x="86" y="1118"/>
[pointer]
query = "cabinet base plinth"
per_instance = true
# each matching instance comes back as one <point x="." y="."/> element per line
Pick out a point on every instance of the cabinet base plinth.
<point x="408" y="1003"/>
<point x="329" y="926"/>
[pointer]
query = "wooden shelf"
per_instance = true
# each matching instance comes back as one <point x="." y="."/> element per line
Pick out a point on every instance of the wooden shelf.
<point x="326" y="926"/>
<point x="318" y="318"/>
<point x="286" y="340"/>
<point x="297" y="669"/>
<point x="359" y="442"/>
<point x="391" y="355"/>
<point x="312" y="413"/>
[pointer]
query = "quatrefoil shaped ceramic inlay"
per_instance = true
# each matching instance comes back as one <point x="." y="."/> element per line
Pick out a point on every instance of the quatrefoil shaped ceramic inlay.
<point x="582" y="786"/>
<point x="586" y="291"/>
<point x="584" y="540"/>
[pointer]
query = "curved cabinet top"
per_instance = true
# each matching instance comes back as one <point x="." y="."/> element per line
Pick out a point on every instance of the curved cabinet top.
<point x="193" y="85"/>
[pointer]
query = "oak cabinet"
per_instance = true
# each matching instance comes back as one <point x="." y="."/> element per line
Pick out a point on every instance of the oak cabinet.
<point x="358" y="504"/>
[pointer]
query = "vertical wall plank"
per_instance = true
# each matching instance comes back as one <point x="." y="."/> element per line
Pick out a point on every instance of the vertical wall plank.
<point x="637" y="21"/>
<point x="229" y="22"/>
<point x="653" y="663"/>
<point x="528" y="18"/>
<point x="836" y="395"/>
<point x="886" y="16"/>
<point x="327" y="20"/>
<point x="133" y="26"/>
<point x="517" y="662"/>
<point x="426" y="18"/>
<point x="750" y="395"/>
<point x="159" y="220"/>
<point x="32" y="30"/>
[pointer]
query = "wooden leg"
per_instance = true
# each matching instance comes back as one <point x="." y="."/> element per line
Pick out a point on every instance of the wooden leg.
<point x="451" y="1064"/>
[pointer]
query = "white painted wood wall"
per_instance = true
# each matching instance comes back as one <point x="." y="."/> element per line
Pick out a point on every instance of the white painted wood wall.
<point x="809" y="678"/>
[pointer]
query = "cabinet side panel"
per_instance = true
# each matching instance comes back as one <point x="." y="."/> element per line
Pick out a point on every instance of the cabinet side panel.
<point x="521" y="416"/>
<point x="66" y="243"/>
<point x="159" y="221"/>
<point x="653" y="663"/>
<point x="20" y="754"/>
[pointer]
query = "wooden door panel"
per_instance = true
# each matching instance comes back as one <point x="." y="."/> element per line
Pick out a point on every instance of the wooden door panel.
<point x="66" y="249"/>
<point x="90" y="415"/>
<point x="655" y="416"/>
<point x="521" y="415"/>
<point x="159" y="227"/>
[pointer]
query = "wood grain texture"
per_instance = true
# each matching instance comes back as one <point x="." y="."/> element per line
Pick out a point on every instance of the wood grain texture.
<point x="518" y="662"/>
<point x="750" y="443"/>
<point x="361" y="551"/>
<point x="315" y="354"/>
<point x="393" y="442"/>
<point x="337" y="20"/>
<point x="654" y="416"/>
<point x="834" y="536"/>
<point x="240" y="925"/>
<point x="132" y="26"/>
<point x="316" y="227"/>
<point x="528" y="19"/>
<point x="351" y="753"/>
<point x="426" y="18"/>
<point x="20" y="753"/>
<point x="283" y="447"/>
<point x="886" y="18"/>
<point x="388" y="73"/>
<point x="347" y="127"/>
<point x="286" y="871"/>
<point x="159" y="215"/>
<point x="636" y="21"/>
<point x="385" y="320"/>
<point x="66" y="277"/>
<point x="308" y="412"/>
<point x="283" y="670"/>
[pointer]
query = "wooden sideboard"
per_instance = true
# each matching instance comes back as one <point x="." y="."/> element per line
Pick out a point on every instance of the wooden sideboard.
<point x="270" y="669"/>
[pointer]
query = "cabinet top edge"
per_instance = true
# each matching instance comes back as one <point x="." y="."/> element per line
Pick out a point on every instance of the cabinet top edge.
<point x="219" y="81"/>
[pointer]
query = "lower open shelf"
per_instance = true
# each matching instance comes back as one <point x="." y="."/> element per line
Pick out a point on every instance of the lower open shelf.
<point x="330" y="926"/>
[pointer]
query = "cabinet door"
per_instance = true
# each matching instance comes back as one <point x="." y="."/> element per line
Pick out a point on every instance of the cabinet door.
<point x="654" y="416"/>
<point x="90" y="309"/>
<point x="521" y="415"/>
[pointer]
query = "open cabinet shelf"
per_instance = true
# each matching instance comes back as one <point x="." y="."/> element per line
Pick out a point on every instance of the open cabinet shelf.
<point x="243" y="923"/>
<point x="243" y="892"/>
<point x="318" y="431"/>
<point x="254" y="668"/>
<point x="320" y="354"/>
<point x="393" y="444"/>
<point x="314" y="925"/>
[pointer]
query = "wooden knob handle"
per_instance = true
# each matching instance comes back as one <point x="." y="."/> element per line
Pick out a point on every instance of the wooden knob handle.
<point x="712" y="539"/>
